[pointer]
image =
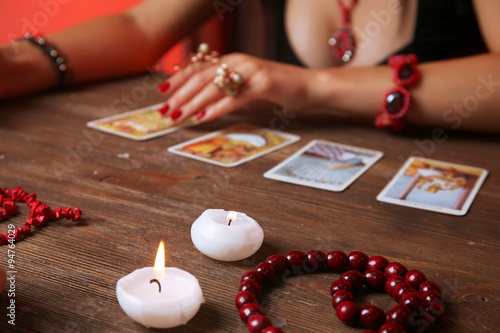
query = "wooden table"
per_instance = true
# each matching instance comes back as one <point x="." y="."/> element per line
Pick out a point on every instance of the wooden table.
<point x="133" y="194"/>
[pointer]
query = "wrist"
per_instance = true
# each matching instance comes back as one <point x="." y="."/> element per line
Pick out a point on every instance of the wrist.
<point x="25" y="69"/>
<point x="324" y="88"/>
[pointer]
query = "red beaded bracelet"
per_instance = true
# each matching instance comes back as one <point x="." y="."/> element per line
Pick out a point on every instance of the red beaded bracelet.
<point x="419" y="309"/>
<point x="397" y="101"/>
<point x="39" y="215"/>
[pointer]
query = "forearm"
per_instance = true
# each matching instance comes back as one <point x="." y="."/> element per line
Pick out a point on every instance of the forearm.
<point x="106" y="47"/>
<point x="461" y="94"/>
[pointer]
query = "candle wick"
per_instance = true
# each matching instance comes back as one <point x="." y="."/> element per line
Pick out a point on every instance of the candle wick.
<point x="229" y="222"/>
<point x="159" y="285"/>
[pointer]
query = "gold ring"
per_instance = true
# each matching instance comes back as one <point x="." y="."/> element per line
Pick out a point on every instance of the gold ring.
<point x="203" y="54"/>
<point x="227" y="80"/>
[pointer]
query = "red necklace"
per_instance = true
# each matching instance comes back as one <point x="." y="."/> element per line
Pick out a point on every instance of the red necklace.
<point x="342" y="40"/>
<point x="419" y="309"/>
<point x="39" y="215"/>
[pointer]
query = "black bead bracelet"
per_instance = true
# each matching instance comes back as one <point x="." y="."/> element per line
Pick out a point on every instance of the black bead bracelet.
<point x="58" y="61"/>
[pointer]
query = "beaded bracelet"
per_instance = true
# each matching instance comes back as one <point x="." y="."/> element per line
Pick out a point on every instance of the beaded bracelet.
<point x="59" y="63"/>
<point x="39" y="214"/>
<point x="397" y="101"/>
<point x="419" y="309"/>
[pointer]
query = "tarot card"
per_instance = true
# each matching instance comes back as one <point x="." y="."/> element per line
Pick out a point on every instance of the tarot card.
<point x="142" y="124"/>
<point x="234" y="145"/>
<point x="325" y="165"/>
<point x="434" y="185"/>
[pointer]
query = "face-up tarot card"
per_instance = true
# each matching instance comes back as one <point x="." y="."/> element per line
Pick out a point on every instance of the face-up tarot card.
<point x="325" y="165"/>
<point x="434" y="185"/>
<point x="234" y="145"/>
<point x="139" y="125"/>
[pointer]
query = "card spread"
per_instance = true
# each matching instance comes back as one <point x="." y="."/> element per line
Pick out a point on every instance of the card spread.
<point x="434" y="185"/>
<point x="142" y="124"/>
<point x="325" y="165"/>
<point x="234" y="145"/>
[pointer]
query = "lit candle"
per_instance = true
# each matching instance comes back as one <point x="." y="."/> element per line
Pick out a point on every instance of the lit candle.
<point x="159" y="297"/>
<point x="226" y="236"/>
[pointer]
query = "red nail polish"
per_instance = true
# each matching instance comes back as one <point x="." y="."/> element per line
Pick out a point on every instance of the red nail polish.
<point x="200" y="114"/>
<point x="163" y="87"/>
<point x="176" y="114"/>
<point x="164" y="109"/>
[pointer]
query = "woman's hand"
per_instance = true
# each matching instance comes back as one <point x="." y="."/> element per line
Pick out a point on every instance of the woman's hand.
<point x="193" y="92"/>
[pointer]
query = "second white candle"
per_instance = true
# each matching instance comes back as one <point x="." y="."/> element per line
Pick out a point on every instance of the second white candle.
<point x="226" y="236"/>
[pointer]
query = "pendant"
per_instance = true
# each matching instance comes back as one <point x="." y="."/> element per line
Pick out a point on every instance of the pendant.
<point x="342" y="43"/>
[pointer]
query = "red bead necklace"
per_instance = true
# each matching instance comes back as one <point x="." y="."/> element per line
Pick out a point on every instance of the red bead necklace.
<point x="342" y="41"/>
<point x="39" y="215"/>
<point x="419" y="309"/>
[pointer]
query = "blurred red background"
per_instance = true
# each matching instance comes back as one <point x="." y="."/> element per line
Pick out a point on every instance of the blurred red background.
<point x="47" y="16"/>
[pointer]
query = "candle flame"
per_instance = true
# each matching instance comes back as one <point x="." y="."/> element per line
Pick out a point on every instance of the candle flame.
<point x="231" y="217"/>
<point x="160" y="261"/>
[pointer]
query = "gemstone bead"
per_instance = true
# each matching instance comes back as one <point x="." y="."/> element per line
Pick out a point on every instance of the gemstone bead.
<point x="340" y="285"/>
<point x="249" y="310"/>
<point x="375" y="279"/>
<point x="244" y="297"/>
<point x="395" y="268"/>
<point x="355" y="278"/>
<point x="399" y="314"/>
<point x="279" y="264"/>
<point x="316" y="260"/>
<point x="296" y="261"/>
<point x="394" y="102"/>
<point x="399" y="289"/>
<point x="405" y="72"/>
<point x="391" y="282"/>
<point x="266" y="271"/>
<point x="378" y="263"/>
<point x="372" y="316"/>
<point x="412" y="300"/>
<point x="341" y="296"/>
<point x="431" y="296"/>
<point x="358" y="261"/>
<point x="415" y="278"/>
<point x="252" y="275"/>
<point x="337" y="261"/>
<point x="428" y="285"/>
<point x="257" y="323"/>
<point x="251" y="286"/>
<point x="348" y="313"/>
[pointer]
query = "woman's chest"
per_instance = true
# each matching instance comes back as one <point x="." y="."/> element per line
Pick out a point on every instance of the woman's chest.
<point x="380" y="28"/>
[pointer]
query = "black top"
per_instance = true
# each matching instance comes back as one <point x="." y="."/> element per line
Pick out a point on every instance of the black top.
<point x="445" y="29"/>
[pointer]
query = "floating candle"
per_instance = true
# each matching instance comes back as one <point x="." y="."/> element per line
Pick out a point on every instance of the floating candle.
<point x="159" y="297"/>
<point x="226" y="236"/>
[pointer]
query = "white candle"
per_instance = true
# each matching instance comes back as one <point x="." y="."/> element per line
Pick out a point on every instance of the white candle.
<point x="159" y="297"/>
<point x="226" y="236"/>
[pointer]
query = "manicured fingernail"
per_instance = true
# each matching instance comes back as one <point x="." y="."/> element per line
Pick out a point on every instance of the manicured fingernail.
<point x="200" y="114"/>
<point x="164" y="109"/>
<point x="176" y="114"/>
<point x="163" y="87"/>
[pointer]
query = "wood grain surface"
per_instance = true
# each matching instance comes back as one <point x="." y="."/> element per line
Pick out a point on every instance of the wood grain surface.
<point x="67" y="272"/>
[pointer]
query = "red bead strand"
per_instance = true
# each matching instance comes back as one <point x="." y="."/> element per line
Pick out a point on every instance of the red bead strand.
<point x="39" y="212"/>
<point x="419" y="299"/>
